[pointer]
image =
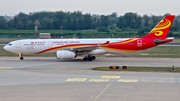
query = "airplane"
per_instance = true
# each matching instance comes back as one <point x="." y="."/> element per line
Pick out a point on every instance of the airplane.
<point x="71" y="48"/>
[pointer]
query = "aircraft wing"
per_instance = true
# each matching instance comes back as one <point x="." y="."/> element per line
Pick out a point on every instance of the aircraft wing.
<point x="87" y="48"/>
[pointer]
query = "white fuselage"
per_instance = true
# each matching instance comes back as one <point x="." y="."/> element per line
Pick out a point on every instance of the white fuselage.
<point x="33" y="46"/>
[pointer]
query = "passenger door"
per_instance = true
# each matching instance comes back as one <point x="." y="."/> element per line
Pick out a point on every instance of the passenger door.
<point x="18" y="44"/>
<point x="139" y="43"/>
<point x="49" y="44"/>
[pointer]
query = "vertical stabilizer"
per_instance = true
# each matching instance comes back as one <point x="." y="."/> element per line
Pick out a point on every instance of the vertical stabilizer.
<point x="162" y="28"/>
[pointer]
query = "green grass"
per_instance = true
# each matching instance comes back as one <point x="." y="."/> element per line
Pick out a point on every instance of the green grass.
<point x="66" y="33"/>
<point x="32" y="31"/>
<point x="139" y="69"/>
<point x="159" y="51"/>
<point x="176" y="40"/>
<point x="9" y="39"/>
<point x="70" y="34"/>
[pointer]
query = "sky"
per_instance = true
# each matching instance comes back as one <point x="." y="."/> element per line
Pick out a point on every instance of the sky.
<point x="102" y="7"/>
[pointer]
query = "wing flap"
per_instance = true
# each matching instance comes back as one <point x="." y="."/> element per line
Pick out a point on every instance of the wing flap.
<point x="88" y="48"/>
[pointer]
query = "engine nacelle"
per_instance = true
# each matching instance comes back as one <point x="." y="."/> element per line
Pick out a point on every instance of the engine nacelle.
<point x="98" y="51"/>
<point x="64" y="54"/>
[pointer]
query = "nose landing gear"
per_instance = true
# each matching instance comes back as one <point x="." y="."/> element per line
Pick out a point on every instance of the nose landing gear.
<point x="21" y="56"/>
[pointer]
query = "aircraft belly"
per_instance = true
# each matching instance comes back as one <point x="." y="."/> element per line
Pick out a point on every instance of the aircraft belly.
<point x="50" y="52"/>
<point x="113" y="51"/>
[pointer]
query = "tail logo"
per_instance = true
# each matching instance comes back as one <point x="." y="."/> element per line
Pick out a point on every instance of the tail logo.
<point x="161" y="26"/>
<point x="158" y="33"/>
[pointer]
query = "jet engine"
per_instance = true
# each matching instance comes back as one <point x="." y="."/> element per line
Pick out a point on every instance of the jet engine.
<point x="98" y="51"/>
<point x="64" y="54"/>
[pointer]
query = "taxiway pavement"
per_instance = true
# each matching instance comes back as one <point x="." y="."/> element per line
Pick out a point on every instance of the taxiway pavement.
<point x="49" y="79"/>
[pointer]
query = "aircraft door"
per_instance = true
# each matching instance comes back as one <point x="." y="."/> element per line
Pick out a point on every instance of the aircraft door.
<point x="139" y="43"/>
<point x="18" y="44"/>
<point x="49" y="44"/>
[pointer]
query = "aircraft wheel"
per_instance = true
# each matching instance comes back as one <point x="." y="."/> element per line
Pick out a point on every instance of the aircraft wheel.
<point x="21" y="58"/>
<point x="90" y="58"/>
<point x="93" y="57"/>
<point x="85" y="59"/>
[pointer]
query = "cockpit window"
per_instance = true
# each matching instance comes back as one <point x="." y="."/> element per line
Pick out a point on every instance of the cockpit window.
<point x="9" y="44"/>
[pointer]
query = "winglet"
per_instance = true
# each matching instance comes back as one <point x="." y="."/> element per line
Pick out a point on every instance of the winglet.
<point x="106" y="43"/>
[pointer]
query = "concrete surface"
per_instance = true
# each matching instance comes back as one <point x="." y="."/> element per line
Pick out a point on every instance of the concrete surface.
<point x="49" y="79"/>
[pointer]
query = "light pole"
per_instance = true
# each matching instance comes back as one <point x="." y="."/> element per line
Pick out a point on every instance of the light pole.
<point x="61" y="32"/>
<point x="36" y="29"/>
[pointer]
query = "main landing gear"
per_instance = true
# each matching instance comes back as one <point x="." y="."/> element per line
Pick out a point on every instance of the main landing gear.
<point x="90" y="58"/>
<point x="21" y="56"/>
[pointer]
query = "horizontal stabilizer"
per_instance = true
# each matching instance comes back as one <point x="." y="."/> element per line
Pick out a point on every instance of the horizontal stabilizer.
<point x="157" y="41"/>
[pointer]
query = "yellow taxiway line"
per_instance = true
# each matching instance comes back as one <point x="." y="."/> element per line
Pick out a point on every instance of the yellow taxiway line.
<point x="76" y="79"/>
<point x="127" y="80"/>
<point x="111" y="77"/>
<point x="119" y="72"/>
<point x="99" y="80"/>
<point x="5" y="68"/>
<point x="102" y="92"/>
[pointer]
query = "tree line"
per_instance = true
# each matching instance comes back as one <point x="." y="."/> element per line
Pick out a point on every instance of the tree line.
<point x="79" y="21"/>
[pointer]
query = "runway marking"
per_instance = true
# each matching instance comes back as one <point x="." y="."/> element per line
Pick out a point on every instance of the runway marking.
<point x="126" y="64"/>
<point x="119" y="72"/>
<point x="171" y="80"/>
<point x="99" y="80"/>
<point x="58" y="68"/>
<point x="152" y="80"/>
<point x="102" y="92"/>
<point x="127" y="80"/>
<point x="176" y="80"/>
<point x="5" y="68"/>
<point x="85" y="64"/>
<point x="76" y="79"/>
<point x="111" y="77"/>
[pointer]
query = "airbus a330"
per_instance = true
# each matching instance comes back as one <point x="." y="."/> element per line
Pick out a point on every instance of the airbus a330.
<point x="71" y="48"/>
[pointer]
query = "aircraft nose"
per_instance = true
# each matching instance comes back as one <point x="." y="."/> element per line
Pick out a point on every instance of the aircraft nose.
<point x="5" y="48"/>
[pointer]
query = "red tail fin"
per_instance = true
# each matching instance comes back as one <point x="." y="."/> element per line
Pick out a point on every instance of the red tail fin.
<point x="162" y="28"/>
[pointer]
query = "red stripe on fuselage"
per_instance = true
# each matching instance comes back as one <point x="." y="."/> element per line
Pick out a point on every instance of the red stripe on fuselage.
<point x="65" y="46"/>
